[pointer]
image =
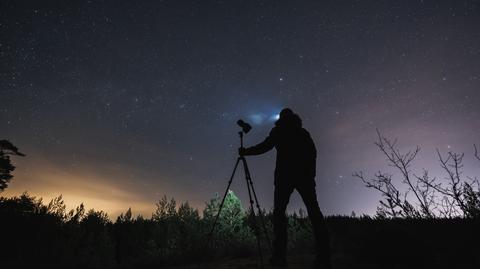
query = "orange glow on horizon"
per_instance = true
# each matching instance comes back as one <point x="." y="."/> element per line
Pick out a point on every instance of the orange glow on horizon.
<point x="103" y="189"/>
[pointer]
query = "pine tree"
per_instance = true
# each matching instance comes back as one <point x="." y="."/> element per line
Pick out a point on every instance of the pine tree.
<point x="6" y="167"/>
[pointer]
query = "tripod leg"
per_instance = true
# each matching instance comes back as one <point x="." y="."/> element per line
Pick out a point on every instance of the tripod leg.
<point x="252" y="212"/>
<point x="224" y="196"/>
<point x="262" y="220"/>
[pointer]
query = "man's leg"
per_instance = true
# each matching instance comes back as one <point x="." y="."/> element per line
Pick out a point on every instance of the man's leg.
<point x="280" y="201"/>
<point x="309" y="197"/>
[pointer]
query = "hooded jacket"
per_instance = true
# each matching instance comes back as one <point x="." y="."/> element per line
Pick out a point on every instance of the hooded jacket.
<point x="296" y="152"/>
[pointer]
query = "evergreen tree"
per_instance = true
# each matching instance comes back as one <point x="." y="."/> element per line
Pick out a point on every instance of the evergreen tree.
<point x="232" y="232"/>
<point x="6" y="167"/>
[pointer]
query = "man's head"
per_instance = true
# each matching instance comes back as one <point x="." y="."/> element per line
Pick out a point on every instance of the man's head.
<point x="288" y="119"/>
<point x="286" y="112"/>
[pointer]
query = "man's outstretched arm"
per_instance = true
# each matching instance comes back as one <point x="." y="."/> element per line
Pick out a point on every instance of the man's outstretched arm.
<point x="260" y="148"/>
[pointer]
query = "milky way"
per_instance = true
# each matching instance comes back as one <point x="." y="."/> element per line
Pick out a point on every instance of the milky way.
<point x="117" y="103"/>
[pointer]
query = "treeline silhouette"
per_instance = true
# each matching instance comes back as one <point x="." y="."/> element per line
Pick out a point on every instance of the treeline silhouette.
<point x="38" y="234"/>
<point x="47" y="234"/>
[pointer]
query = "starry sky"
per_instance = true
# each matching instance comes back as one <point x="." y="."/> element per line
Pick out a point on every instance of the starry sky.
<point x="117" y="103"/>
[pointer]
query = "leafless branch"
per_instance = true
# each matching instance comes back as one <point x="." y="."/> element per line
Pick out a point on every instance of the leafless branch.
<point x="383" y="184"/>
<point x="403" y="162"/>
<point x="476" y="152"/>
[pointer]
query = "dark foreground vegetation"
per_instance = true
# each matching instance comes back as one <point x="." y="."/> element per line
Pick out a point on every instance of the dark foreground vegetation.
<point x="37" y="234"/>
<point x="421" y="222"/>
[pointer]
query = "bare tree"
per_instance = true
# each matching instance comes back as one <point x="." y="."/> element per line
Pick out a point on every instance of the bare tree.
<point x="396" y="203"/>
<point x="431" y="199"/>
<point x="459" y="196"/>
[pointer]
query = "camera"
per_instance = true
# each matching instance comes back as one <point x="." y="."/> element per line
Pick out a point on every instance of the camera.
<point x="245" y="126"/>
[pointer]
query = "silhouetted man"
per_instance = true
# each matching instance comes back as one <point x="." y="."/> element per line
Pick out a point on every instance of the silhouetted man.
<point x="295" y="169"/>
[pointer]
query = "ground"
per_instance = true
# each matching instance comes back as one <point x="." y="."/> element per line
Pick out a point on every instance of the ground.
<point x="298" y="261"/>
<point x="339" y="262"/>
<point x="294" y="262"/>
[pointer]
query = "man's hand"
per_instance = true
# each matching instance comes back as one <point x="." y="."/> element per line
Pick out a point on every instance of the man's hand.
<point x="242" y="151"/>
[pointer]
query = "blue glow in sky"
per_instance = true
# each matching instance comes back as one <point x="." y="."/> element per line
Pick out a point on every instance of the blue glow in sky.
<point x="262" y="118"/>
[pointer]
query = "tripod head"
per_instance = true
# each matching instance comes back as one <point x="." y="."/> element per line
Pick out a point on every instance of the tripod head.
<point x="245" y="129"/>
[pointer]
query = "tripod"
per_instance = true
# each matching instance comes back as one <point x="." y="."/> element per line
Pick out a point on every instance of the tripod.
<point x="252" y="196"/>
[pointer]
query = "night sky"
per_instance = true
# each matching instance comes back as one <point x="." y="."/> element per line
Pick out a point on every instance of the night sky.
<point x="117" y="103"/>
